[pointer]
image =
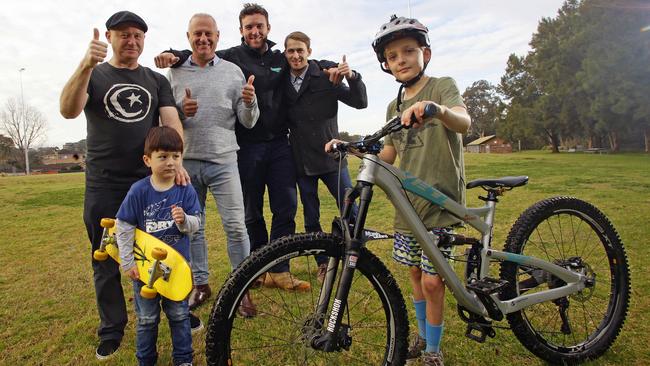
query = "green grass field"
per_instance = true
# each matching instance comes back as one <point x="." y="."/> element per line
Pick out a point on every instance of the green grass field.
<point x="47" y="307"/>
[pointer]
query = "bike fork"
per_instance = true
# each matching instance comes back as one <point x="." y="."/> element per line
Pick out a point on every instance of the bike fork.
<point x="336" y="335"/>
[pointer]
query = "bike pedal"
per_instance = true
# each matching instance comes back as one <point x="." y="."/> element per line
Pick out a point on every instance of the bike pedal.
<point x="483" y="332"/>
<point x="487" y="286"/>
<point x="484" y="289"/>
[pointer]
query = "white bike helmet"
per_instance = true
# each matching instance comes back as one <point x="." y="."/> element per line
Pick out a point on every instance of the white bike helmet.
<point x="399" y="27"/>
<point x="396" y="28"/>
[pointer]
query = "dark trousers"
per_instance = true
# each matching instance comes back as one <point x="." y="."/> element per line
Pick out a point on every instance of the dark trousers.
<point x="268" y="165"/>
<point x="99" y="203"/>
<point x="308" y="186"/>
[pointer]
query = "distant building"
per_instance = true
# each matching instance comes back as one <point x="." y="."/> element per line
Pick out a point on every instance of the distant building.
<point x="62" y="156"/>
<point x="75" y="146"/>
<point x="489" y="144"/>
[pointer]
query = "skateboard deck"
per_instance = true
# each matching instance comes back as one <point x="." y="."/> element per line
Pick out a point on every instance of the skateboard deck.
<point x="174" y="273"/>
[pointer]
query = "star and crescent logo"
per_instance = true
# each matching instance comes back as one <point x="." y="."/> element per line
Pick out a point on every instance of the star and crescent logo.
<point x="127" y="102"/>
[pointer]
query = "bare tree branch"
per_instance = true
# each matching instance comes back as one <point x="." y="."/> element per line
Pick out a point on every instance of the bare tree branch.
<point x="24" y="127"/>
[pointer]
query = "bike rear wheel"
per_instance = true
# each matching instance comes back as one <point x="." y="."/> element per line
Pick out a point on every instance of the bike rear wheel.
<point x="576" y="235"/>
<point x="280" y="333"/>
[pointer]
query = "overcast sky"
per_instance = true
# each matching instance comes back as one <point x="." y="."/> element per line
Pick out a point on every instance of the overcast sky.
<point x="471" y="40"/>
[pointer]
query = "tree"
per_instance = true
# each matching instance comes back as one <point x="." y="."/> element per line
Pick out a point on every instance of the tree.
<point x="6" y="144"/>
<point x="24" y="124"/>
<point x="554" y="61"/>
<point x="586" y="78"/>
<point x="346" y="136"/>
<point x="484" y="106"/>
<point x="615" y="67"/>
<point x="520" y="121"/>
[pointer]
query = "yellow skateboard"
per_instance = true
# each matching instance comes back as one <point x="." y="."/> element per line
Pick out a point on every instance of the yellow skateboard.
<point x="163" y="269"/>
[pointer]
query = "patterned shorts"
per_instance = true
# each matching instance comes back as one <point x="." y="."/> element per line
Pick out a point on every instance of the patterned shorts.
<point x="407" y="251"/>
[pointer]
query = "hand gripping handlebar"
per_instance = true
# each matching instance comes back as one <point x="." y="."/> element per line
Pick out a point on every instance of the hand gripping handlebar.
<point x="395" y="124"/>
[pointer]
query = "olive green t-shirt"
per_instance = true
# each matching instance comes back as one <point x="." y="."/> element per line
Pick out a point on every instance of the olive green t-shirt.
<point x="432" y="152"/>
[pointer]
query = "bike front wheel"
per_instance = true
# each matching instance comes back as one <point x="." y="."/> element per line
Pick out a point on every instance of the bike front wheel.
<point x="375" y="315"/>
<point x="576" y="235"/>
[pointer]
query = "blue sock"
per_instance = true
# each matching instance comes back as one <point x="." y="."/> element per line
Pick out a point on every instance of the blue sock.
<point x="434" y="335"/>
<point x="421" y="316"/>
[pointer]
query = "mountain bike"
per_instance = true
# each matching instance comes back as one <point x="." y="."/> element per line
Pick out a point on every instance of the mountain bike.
<point x="563" y="281"/>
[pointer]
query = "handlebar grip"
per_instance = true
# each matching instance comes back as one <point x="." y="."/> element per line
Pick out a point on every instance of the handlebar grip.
<point x="430" y="110"/>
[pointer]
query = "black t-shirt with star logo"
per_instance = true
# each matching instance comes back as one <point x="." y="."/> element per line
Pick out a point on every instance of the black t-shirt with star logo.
<point x="122" y="106"/>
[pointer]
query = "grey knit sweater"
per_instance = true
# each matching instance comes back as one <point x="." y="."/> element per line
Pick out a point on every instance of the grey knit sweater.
<point x="210" y="133"/>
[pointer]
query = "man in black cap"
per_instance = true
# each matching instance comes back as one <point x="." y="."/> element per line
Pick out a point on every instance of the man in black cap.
<point x="122" y="101"/>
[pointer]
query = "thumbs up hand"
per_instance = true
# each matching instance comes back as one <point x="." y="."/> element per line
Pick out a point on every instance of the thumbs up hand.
<point x="165" y="59"/>
<point x="248" y="92"/>
<point x="97" y="51"/>
<point x="190" y="106"/>
<point x="344" y="69"/>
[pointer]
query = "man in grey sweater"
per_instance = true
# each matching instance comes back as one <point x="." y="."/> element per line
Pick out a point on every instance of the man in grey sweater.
<point x="213" y="94"/>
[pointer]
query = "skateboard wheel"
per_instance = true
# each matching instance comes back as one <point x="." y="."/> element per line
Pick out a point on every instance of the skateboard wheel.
<point x="107" y="223"/>
<point x="159" y="253"/>
<point x="100" y="255"/>
<point x="148" y="292"/>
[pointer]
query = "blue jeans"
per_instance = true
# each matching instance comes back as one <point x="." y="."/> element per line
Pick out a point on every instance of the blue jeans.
<point x="148" y="313"/>
<point x="223" y="182"/>
<point x="308" y="186"/>
<point x="268" y="165"/>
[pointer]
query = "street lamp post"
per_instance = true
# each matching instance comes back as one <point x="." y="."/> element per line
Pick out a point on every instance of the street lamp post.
<point x="22" y="102"/>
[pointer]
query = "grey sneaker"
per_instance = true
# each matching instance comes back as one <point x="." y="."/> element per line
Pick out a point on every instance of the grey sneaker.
<point x="418" y="344"/>
<point x="432" y="359"/>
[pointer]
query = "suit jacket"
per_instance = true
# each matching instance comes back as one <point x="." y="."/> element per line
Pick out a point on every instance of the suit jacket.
<point x="312" y="116"/>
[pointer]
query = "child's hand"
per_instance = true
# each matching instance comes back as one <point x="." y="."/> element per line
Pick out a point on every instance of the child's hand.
<point x="133" y="273"/>
<point x="414" y="115"/>
<point x="178" y="215"/>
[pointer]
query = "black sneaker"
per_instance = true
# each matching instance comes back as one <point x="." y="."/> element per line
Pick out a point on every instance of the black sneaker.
<point x="107" y="348"/>
<point x="195" y="323"/>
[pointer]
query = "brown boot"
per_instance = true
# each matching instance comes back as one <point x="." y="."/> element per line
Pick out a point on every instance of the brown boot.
<point x="259" y="281"/>
<point x="247" y="308"/>
<point x="286" y="281"/>
<point x="199" y="295"/>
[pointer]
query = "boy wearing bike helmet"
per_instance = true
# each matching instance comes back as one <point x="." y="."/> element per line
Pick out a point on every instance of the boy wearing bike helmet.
<point x="432" y="150"/>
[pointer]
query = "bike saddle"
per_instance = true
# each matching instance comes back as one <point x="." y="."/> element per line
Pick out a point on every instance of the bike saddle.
<point x="508" y="182"/>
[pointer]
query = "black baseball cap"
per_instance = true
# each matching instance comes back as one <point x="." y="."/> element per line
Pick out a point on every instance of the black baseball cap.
<point x="124" y="16"/>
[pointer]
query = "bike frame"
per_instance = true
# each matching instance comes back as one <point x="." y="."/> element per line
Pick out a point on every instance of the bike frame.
<point x="373" y="171"/>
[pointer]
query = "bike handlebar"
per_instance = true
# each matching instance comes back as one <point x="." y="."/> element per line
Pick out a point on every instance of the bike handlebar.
<point x="391" y="126"/>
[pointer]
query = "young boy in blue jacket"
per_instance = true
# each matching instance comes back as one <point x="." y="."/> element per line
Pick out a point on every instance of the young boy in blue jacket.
<point x="170" y="212"/>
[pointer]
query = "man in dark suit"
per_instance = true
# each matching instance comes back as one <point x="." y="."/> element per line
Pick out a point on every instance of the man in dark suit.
<point x="313" y="107"/>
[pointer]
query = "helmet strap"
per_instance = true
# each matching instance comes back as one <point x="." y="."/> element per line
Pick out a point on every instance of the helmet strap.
<point x="399" y="98"/>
